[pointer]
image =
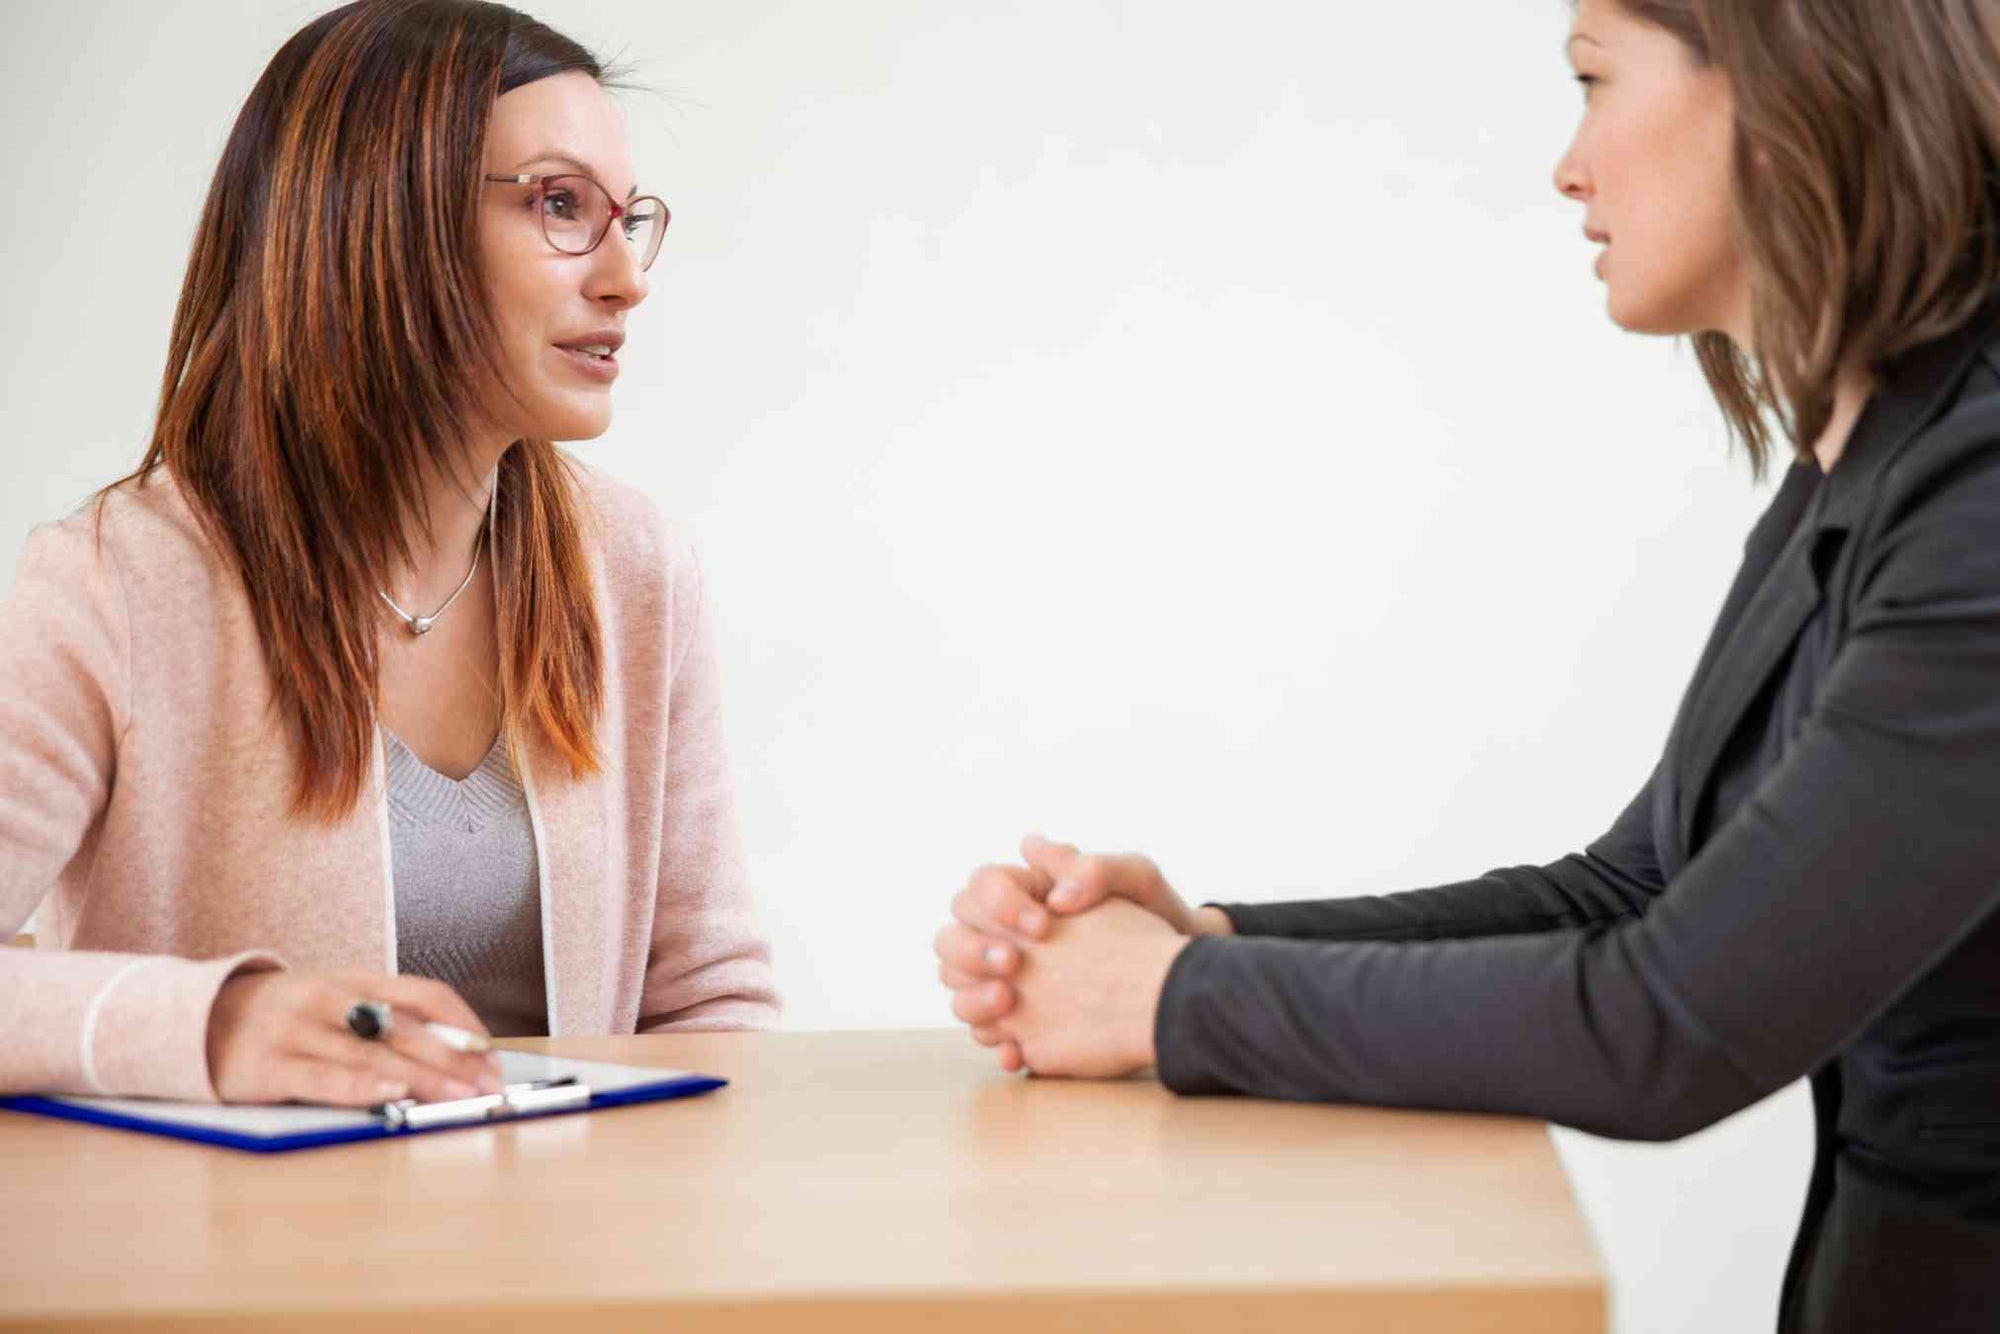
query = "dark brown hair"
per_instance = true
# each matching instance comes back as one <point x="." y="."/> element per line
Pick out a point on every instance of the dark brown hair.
<point x="1867" y="184"/>
<point x="333" y="345"/>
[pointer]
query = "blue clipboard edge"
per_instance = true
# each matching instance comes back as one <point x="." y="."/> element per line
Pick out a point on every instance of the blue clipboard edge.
<point x="664" y="1091"/>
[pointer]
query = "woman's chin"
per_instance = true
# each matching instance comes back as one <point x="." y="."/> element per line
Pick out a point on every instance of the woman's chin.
<point x="1666" y="311"/>
<point x="581" y="422"/>
<point x="1646" y="317"/>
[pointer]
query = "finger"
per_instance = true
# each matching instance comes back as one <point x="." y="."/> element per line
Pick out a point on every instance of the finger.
<point x="336" y="1085"/>
<point x="1048" y="857"/>
<point x="956" y="980"/>
<point x="412" y="1039"/>
<point x="1087" y="883"/>
<point x="984" y="1003"/>
<point x="424" y="997"/>
<point x="1091" y="879"/>
<point x="959" y="946"/>
<point x="1003" y="901"/>
<point x="381" y="1062"/>
<point x="1010" y="1057"/>
<point x="975" y="908"/>
<point x="418" y="1044"/>
<point x="988" y="1035"/>
<point x="321" y="1033"/>
<point x="415" y="1003"/>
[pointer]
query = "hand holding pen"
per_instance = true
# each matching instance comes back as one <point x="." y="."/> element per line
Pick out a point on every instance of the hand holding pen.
<point x="284" y="1036"/>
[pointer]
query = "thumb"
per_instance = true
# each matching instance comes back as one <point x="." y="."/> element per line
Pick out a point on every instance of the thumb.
<point x="1079" y="881"/>
<point x="1053" y="861"/>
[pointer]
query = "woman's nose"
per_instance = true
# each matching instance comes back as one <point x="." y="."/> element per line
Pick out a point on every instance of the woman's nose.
<point x="1572" y="182"/>
<point x="616" y="276"/>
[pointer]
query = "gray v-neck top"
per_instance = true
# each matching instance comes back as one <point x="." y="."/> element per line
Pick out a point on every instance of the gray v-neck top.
<point x="468" y="898"/>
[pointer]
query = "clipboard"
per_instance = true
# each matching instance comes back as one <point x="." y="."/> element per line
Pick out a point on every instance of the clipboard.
<point x="537" y="1085"/>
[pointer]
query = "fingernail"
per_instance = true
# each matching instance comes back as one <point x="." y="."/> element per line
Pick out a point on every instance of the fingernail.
<point x="458" y="1088"/>
<point x="996" y="956"/>
<point x="390" y="1091"/>
<point x="1064" y="894"/>
<point x="1033" y="920"/>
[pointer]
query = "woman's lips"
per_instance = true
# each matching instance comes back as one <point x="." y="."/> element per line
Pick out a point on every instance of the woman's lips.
<point x="602" y="369"/>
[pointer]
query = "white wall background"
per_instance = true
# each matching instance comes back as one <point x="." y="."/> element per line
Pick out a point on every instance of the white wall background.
<point x="1166" y="425"/>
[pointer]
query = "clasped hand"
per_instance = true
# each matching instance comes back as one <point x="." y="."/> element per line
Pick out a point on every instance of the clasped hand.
<point x="1059" y="963"/>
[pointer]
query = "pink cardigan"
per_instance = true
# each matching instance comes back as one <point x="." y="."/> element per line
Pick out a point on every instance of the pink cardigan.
<point x="144" y="781"/>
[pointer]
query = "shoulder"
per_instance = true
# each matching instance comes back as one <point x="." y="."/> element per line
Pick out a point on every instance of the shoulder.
<point x="139" y="529"/>
<point x="647" y="557"/>
<point x="630" y="530"/>
<point x="1960" y="444"/>
<point x="1936" y="522"/>
<point x="99" y="587"/>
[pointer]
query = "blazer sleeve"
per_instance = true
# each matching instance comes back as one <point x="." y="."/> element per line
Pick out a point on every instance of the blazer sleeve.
<point x="710" y="964"/>
<point x="1613" y="879"/>
<point x="1863" y="858"/>
<point x="80" y="1021"/>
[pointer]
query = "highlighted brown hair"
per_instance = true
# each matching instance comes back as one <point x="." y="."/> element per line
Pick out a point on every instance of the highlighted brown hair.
<point x="1867" y="181"/>
<point x="333" y="345"/>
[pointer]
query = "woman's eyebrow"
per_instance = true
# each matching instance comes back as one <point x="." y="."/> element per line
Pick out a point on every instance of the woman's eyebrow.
<point x="567" y="160"/>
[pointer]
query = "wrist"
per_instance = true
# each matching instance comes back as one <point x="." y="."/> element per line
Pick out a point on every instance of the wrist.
<point x="1159" y="965"/>
<point x="226" y="1012"/>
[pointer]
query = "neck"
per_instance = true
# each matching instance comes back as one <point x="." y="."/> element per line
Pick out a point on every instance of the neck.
<point x="1851" y="389"/>
<point x="1850" y="396"/>
<point x="457" y="503"/>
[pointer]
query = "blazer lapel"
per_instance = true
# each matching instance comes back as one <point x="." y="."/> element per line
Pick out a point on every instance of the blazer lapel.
<point x="1774" y="530"/>
<point x="1767" y="628"/>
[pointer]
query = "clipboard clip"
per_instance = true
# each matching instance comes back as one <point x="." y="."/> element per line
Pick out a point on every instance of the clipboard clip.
<point x="515" y="1100"/>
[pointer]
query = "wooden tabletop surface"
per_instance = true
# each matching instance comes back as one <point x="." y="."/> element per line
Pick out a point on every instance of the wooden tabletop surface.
<point x="877" y="1181"/>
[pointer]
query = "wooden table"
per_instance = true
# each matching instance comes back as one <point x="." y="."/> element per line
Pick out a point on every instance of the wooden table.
<point x="864" y="1181"/>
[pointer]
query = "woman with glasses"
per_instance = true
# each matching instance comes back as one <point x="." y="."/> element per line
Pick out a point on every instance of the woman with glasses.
<point x="359" y="689"/>
<point x="1808" y="884"/>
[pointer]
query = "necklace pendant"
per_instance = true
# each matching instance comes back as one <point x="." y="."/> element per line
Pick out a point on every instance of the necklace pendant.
<point x="419" y="626"/>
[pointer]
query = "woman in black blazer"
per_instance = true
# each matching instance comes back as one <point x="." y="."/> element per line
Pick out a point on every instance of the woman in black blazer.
<point x="1807" y="884"/>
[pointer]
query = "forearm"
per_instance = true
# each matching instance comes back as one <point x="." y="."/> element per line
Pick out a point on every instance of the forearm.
<point x="1576" y="892"/>
<point x="121" y="1024"/>
<point x="1487" y="1025"/>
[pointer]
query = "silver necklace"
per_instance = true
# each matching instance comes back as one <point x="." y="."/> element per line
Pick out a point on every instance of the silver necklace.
<point x="421" y="625"/>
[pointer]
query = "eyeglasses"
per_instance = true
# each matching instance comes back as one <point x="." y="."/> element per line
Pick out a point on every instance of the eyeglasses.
<point x="576" y="212"/>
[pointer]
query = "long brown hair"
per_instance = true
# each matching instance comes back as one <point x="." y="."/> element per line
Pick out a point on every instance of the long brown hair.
<point x="333" y="345"/>
<point x="1867" y="184"/>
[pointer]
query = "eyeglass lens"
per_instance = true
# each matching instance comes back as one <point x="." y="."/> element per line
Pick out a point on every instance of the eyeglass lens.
<point x="576" y="211"/>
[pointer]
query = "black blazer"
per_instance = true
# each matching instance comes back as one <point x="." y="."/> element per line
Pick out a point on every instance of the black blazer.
<point x="1807" y="884"/>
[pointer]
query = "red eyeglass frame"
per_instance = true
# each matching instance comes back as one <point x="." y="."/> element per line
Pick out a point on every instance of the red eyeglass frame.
<point x="541" y="180"/>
